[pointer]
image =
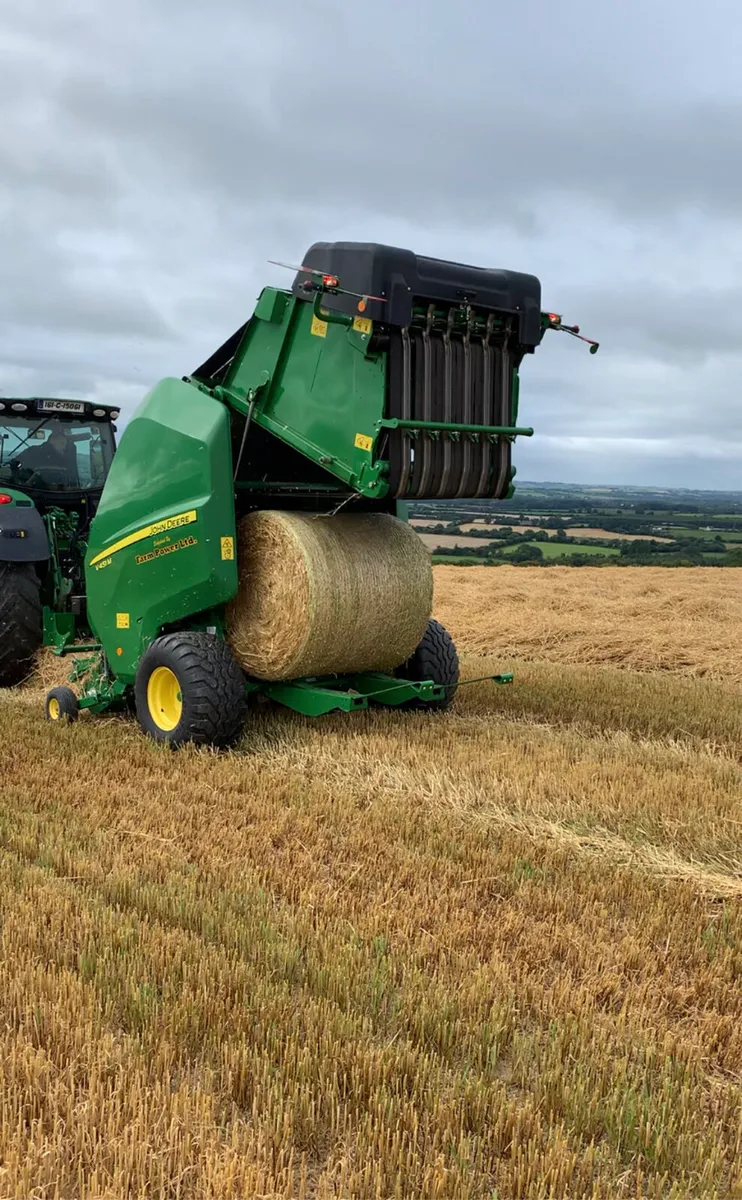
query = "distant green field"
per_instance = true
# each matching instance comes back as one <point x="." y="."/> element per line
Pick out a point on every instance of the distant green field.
<point x="562" y="550"/>
<point x="679" y="531"/>
<point x="457" y="560"/>
<point x="650" y="512"/>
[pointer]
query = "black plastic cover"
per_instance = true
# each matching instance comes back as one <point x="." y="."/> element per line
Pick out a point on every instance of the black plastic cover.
<point x="22" y="535"/>
<point x="400" y="276"/>
<point x="217" y="364"/>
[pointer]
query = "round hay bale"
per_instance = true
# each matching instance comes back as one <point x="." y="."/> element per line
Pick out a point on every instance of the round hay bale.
<point x="323" y="595"/>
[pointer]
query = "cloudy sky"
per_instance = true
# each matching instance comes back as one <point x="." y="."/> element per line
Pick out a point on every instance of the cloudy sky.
<point x="155" y="154"/>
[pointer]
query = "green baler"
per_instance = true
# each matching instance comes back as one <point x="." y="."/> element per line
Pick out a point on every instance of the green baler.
<point x="380" y="377"/>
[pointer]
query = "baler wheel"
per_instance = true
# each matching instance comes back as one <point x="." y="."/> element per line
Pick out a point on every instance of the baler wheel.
<point x="435" y="658"/>
<point x="189" y="688"/>
<point x="62" y="705"/>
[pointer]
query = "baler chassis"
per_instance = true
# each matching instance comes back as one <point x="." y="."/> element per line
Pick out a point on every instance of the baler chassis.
<point x="312" y="697"/>
<point x="400" y="385"/>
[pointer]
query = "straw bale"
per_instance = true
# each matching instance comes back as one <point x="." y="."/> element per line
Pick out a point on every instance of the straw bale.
<point x="320" y="595"/>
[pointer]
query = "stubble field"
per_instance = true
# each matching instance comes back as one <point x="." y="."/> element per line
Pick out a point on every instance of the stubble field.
<point x="490" y="954"/>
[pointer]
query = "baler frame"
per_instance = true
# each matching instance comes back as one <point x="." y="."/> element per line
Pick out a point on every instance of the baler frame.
<point x="366" y="394"/>
<point x="311" y="697"/>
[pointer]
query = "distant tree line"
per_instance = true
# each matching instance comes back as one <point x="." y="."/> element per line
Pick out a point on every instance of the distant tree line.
<point x="636" y="554"/>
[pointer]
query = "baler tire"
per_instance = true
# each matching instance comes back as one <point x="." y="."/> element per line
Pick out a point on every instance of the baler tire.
<point x="435" y="658"/>
<point x="21" y="624"/>
<point x="211" y="692"/>
<point x="62" y="705"/>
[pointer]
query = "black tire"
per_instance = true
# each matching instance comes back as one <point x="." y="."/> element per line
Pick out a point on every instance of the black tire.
<point x="212" y="700"/>
<point x="436" y="658"/>
<point x="21" y="627"/>
<point x="62" y="705"/>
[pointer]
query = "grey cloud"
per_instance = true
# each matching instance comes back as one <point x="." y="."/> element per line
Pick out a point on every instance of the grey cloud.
<point x="61" y="288"/>
<point x="154" y="156"/>
<point x="300" y="118"/>
<point x="677" y="325"/>
<point x="449" y="159"/>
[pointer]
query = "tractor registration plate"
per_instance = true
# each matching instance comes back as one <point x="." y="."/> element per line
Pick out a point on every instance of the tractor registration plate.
<point x="62" y="406"/>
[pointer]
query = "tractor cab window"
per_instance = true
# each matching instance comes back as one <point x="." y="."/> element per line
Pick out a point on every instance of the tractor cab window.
<point x="50" y="454"/>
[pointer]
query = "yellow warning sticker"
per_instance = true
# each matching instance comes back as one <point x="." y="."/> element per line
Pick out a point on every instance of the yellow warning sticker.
<point x="319" y="328"/>
<point x="227" y="548"/>
<point x="122" y="620"/>
<point x="362" y="324"/>
<point x="363" y="442"/>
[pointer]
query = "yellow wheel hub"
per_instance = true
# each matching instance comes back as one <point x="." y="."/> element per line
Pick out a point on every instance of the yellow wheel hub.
<point x="164" y="700"/>
<point x="54" y="711"/>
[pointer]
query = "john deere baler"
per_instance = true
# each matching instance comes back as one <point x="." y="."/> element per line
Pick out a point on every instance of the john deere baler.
<point x="380" y="377"/>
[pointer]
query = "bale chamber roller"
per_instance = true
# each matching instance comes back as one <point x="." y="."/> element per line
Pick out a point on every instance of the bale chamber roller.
<point x="252" y="538"/>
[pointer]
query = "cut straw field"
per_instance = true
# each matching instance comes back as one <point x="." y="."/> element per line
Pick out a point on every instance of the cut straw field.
<point x="489" y="954"/>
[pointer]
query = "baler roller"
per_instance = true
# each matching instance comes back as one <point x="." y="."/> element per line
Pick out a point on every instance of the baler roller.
<point x="461" y="380"/>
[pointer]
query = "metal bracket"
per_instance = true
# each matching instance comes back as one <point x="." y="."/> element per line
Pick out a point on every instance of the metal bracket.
<point x="331" y="318"/>
<point x="451" y="427"/>
<point x="315" y="697"/>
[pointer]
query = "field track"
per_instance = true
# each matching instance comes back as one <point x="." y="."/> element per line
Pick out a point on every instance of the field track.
<point x="489" y="955"/>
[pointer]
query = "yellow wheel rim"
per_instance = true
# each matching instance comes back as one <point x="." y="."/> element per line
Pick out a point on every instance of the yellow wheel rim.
<point x="164" y="700"/>
<point x="54" y="708"/>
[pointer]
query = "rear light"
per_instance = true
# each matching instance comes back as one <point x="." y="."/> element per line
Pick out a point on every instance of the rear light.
<point x="115" y="413"/>
<point x="2" y="407"/>
<point x="5" y="498"/>
<point x="19" y="407"/>
<point x="99" y="412"/>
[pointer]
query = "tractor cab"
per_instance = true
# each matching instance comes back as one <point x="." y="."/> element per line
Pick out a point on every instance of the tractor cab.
<point x="58" y="452"/>
<point x="55" y="456"/>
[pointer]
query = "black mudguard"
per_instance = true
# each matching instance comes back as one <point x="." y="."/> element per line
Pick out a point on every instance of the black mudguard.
<point x="22" y="536"/>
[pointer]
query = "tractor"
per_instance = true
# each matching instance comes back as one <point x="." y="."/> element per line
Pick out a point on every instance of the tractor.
<point x="379" y="377"/>
<point x="55" y="455"/>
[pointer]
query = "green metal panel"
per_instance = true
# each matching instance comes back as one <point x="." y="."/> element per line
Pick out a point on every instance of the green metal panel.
<point x="311" y="378"/>
<point x="59" y="629"/>
<point x="316" y="387"/>
<point x="312" y="699"/>
<point x="162" y="544"/>
<point x="346" y="693"/>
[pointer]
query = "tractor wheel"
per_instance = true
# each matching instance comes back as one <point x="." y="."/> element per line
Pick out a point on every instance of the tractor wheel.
<point x="21" y="628"/>
<point x="436" y="658"/>
<point x="62" y="705"/>
<point x="189" y="688"/>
